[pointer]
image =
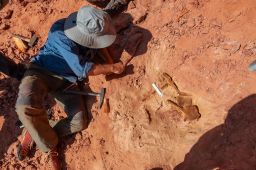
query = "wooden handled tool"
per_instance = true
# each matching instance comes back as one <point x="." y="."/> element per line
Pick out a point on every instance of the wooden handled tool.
<point x="31" y="41"/>
<point x="20" y="44"/>
<point x="101" y="94"/>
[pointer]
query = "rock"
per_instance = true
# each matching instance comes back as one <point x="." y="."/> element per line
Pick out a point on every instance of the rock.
<point x="131" y="5"/>
<point x="3" y="93"/>
<point x="16" y="60"/>
<point x="23" y="164"/>
<point x="115" y="115"/>
<point x="205" y="30"/>
<point x="249" y="49"/>
<point x="42" y="160"/>
<point x="105" y="107"/>
<point x="250" y="46"/>
<point x="232" y="46"/>
<point x="199" y="20"/>
<point x="78" y="136"/>
<point x="86" y="141"/>
<point x="38" y="160"/>
<point x="191" y="22"/>
<point x="10" y="52"/>
<point x="247" y="52"/>
<point x="11" y="166"/>
<point x="157" y="4"/>
<point x="12" y="148"/>
<point x="49" y="11"/>
<point x="138" y="14"/>
<point x="4" y="26"/>
<point x="215" y="23"/>
<point x="191" y="4"/>
<point x="31" y="167"/>
<point x="191" y="112"/>
<point x="102" y="141"/>
<point x="85" y="133"/>
<point x="7" y="14"/>
<point x="24" y="3"/>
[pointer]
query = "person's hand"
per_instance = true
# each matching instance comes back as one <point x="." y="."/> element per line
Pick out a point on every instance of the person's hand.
<point x="118" y="68"/>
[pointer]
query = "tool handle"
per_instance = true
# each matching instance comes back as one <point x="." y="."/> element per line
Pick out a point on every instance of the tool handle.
<point x="22" y="37"/>
<point x="20" y="44"/>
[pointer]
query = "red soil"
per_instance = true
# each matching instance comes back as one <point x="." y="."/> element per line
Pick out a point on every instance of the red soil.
<point x="205" y="45"/>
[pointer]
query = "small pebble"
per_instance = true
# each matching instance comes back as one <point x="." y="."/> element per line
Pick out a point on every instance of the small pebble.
<point x="78" y="136"/>
<point x="7" y="14"/>
<point x="42" y="160"/>
<point x="191" y="22"/>
<point x="87" y="142"/>
<point x="4" y="26"/>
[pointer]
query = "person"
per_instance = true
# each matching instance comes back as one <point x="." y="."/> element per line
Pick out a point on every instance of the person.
<point x="112" y="7"/>
<point x="61" y="63"/>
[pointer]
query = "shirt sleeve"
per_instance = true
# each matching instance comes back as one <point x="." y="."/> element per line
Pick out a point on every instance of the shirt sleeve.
<point x="70" y="52"/>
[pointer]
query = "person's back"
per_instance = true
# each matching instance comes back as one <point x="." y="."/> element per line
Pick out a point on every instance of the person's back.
<point x="62" y="56"/>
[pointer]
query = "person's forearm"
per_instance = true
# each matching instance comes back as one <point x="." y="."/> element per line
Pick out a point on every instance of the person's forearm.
<point x="101" y="69"/>
<point x="106" y="69"/>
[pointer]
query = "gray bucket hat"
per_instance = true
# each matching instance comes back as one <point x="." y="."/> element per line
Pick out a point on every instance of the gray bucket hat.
<point x="90" y="27"/>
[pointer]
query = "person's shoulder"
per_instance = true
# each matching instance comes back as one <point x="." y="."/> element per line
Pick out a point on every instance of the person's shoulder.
<point x="58" y="26"/>
<point x="57" y="32"/>
<point x="58" y="37"/>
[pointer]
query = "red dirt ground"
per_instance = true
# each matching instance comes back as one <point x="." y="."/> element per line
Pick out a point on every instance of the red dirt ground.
<point x="205" y="45"/>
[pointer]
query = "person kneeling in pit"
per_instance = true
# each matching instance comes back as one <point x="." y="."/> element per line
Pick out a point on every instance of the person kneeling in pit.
<point x="61" y="62"/>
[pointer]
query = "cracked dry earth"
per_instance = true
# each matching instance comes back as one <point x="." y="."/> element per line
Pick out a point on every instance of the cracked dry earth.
<point x="204" y="45"/>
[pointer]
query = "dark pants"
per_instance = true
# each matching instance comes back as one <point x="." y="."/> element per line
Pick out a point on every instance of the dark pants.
<point x="33" y="89"/>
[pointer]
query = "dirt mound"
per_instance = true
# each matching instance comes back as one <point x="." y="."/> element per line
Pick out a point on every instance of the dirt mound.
<point x="204" y="45"/>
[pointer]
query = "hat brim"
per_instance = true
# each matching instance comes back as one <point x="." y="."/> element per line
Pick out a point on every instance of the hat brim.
<point x="88" y="40"/>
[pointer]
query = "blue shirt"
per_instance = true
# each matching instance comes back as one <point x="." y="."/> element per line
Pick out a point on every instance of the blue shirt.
<point x="62" y="56"/>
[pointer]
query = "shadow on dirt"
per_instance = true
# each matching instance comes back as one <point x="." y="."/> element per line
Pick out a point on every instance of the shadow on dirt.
<point x="231" y="145"/>
<point x="8" y="132"/>
<point x="3" y="3"/>
<point x="63" y="146"/>
<point x="131" y="39"/>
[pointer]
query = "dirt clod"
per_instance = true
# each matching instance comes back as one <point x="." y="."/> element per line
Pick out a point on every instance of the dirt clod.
<point x="7" y="14"/>
<point x="4" y="26"/>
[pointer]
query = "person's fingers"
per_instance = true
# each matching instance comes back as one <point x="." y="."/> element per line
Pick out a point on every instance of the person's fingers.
<point x="118" y="68"/>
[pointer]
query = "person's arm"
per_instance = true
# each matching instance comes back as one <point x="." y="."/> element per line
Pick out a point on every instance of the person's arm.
<point x="87" y="68"/>
<point x="106" y="69"/>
